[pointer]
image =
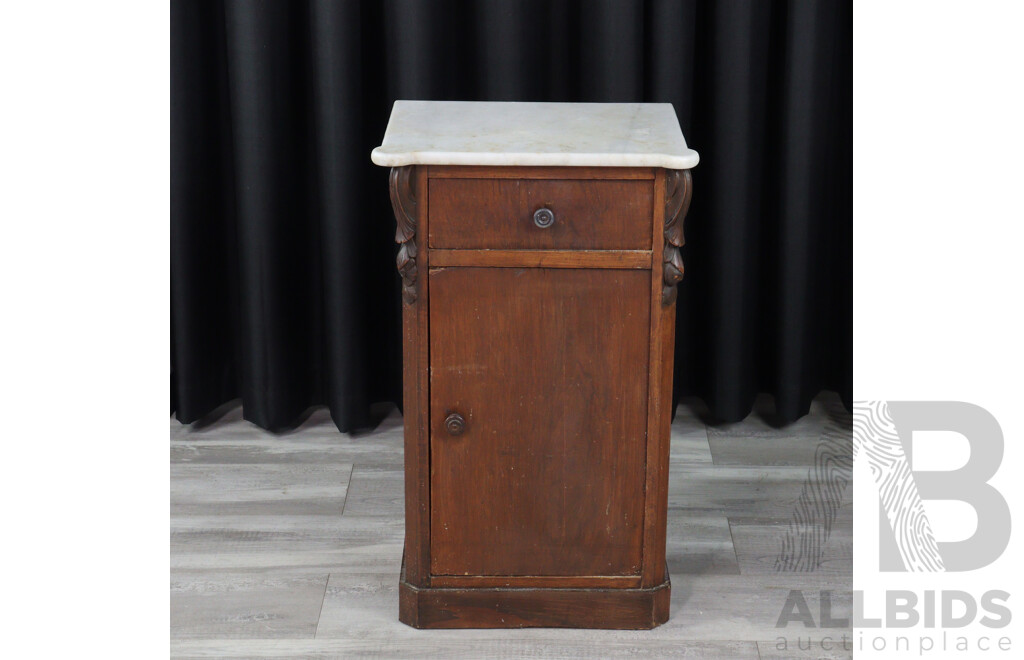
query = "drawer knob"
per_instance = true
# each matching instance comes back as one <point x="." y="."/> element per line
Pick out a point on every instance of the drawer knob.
<point x="544" y="218"/>
<point x="455" y="424"/>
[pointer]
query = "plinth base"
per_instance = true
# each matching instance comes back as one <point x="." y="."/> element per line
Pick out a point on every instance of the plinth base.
<point x="454" y="607"/>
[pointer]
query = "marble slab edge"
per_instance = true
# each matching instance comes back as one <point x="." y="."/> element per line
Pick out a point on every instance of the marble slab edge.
<point x="384" y="158"/>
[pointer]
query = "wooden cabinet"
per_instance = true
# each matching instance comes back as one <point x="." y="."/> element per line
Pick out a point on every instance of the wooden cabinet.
<point x="538" y="311"/>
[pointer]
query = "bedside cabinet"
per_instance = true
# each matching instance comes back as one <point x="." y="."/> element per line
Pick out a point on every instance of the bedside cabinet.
<point x="539" y="258"/>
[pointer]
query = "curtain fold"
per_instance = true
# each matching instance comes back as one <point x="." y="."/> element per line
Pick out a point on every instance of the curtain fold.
<point x="283" y="287"/>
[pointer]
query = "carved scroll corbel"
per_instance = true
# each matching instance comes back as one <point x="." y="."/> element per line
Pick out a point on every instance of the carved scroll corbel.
<point x="403" y="200"/>
<point x="678" y="187"/>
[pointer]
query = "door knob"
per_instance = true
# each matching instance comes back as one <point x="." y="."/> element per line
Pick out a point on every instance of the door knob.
<point x="455" y="424"/>
<point x="544" y="218"/>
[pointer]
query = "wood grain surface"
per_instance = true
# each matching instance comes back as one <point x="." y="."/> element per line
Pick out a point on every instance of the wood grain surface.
<point x="548" y="367"/>
<point x="640" y="259"/>
<point x="498" y="213"/>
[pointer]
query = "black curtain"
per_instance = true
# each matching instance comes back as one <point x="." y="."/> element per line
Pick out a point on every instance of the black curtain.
<point x="284" y="291"/>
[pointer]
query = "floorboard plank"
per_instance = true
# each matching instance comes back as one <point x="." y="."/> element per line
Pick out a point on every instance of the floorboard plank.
<point x="282" y="542"/>
<point x="376" y="491"/>
<point x="385" y="453"/>
<point x="245" y="605"/>
<point x="700" y="545"/>
<point x="433" y="644"/>
<point x="689" y="437"/>
<point x="734" y="491"/>
<point x="747" y="607"/>
<point x="260" y="489"/>
<point x="758" y="544"/>
<point x="824" y="646"/>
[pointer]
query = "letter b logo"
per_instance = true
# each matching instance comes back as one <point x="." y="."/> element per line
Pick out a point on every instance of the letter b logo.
<point x="882" y="434"/>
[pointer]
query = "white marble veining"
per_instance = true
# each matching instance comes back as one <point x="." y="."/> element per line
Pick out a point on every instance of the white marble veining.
<point x="555" y="134"/>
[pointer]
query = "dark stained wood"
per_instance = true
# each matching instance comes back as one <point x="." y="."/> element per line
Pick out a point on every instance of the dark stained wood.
<point x="656" y="511"/>
<point x="537" y="394"/>
<point x="488" y="210"/>
<point x="589" y="173"/>
<point x="672" y="198"/>
<point x="621" y="609"/>
<point x="543" y="258"/>
<point x="421" y="487"/>
<point x="549" y="581"/>
<point x="549" y="369"/>
<point x="659" y="409"/>
<point x="403" y="201"/>
<point x="415" y="381"/>
<point x="677" y="203"/>
<point x="609" y="214"/>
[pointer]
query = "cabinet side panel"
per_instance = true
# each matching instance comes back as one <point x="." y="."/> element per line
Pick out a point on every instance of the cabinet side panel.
<point x="416" y="402"/>
<point x="660" y="403"/>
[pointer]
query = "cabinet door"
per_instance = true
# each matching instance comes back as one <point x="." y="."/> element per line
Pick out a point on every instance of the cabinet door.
<point x="549" y="370"/>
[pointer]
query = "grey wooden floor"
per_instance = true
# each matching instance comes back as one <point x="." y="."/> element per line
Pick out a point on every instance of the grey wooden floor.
<point x="289" y="546"/>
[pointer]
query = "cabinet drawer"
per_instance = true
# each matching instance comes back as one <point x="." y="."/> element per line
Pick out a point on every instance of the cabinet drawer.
<point x="605" y="214"/>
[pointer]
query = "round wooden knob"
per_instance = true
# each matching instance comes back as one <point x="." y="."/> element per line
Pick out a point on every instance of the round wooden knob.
<point x="544" y="218"/>
<point x="455" y="424"/>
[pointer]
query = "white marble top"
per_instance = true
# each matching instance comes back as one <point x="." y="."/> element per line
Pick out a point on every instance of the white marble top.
<point x="573" y="134"/>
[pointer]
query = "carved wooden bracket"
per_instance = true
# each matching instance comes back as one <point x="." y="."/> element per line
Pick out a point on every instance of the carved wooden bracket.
<point x="678" y="188"/>
<point x="403" y="200"/>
